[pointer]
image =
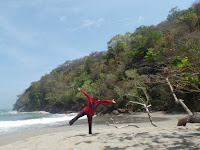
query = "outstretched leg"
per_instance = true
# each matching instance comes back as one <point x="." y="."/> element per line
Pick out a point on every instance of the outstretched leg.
<point x="81" y="114"/>
<point x="90" y="123"/>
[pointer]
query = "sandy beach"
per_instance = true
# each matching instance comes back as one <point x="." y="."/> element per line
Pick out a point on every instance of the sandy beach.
<point x="167" y="136"/>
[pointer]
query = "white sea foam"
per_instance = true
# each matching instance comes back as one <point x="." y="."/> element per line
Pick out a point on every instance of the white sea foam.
<point x="12" y="121"/>
<point x="39" y="121"/>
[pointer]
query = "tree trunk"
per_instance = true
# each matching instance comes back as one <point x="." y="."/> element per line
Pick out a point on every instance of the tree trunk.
<point x="179" y="101"/>
<point x="189" y="119"/>
<point x="192" y="117"/>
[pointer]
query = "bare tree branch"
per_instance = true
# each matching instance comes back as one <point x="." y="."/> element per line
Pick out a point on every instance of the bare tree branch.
<point x="150" y="118"/>
<point x="147" y="110"/>
<point x="145" y="93"/>
<point x="180" y="101"/>
<point x="119" y="127"/>
<point x="136" y="103"/>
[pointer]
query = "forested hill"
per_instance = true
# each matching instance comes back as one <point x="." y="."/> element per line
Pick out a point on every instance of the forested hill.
<point x="133" y="62"/>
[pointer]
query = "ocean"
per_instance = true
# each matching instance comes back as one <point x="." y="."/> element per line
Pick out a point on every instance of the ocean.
<point x="13" y="121"/>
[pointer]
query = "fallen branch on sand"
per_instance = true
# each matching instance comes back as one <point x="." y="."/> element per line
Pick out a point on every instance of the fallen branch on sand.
<point x="179" y="101"/>
<point x="119" y="127"/>
<point x="195" y="118"/>
<point x="196" y="146"/>
<point x="190" y="118"/>
<point x="147" y="110"/>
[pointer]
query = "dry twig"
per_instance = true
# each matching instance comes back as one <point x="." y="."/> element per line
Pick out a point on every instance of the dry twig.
<point x="147" y="110"/>
<point x="119" y="127"/>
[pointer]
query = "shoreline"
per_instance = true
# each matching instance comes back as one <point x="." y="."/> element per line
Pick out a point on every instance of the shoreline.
<point x="166" y="136"/>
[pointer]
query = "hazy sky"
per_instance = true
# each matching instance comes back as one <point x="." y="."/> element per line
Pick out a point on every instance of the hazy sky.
<point x="38" y="35"/>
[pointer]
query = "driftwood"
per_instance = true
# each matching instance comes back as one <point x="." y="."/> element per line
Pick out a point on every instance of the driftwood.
<point x="195" y="118"/>
<point x="119" y="127"/>
<point x="179" y="101"/>
<point x="145" y="103"/>
<point x="147" y="110"/>
<point x="190" y="118"/>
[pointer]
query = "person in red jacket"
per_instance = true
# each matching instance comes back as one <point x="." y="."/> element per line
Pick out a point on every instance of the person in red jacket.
<point x="90" y="109"/>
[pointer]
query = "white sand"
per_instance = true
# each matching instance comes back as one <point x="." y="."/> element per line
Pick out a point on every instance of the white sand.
<point x="167" y="136"/>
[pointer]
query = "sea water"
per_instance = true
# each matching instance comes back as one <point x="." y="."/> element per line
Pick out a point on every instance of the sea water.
<point x="13" y="121"/>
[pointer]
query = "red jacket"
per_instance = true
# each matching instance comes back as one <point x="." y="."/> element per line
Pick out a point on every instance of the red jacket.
<point x="91" y="108"/>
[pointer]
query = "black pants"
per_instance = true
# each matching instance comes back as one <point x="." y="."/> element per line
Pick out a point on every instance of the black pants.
<point x="81" y="114"/>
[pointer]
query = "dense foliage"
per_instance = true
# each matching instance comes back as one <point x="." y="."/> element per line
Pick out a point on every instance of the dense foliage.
<point x="142" y="59"/>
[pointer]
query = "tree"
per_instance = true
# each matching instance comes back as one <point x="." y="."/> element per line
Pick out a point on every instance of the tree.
<point x="187" y="18"/>
<point x="185" y="77"/>
<point x="152" y="38"/>
<point x="117" y="45"/>
<point x="173" y="13"/>
<point x="34" y="94"/>
<point x="88" y="64"/>
<point x="197" y="10"/>
<point x="139" y="89"/>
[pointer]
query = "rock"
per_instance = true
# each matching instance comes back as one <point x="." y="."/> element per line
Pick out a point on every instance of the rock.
<point x="115" y="112"/>
<point x="130" y="112"/>
<point x="122" y="111"/>
<point x="56" y="107"/>
<point x="99" y="114"/>
<point x="68" y="112"/>
<point x="195" y="118"/>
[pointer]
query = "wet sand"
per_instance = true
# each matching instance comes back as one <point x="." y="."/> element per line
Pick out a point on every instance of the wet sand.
<point x="166" y="136"/>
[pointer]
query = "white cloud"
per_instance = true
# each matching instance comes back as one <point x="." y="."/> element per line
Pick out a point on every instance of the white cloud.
<point x="63" y="19"/>
<point x="131" y="21"/>
<point x="88" y="24"/>
<point x="140" y="19"/>
<point x="97" y="23"/>
<point x="127" y="21"/>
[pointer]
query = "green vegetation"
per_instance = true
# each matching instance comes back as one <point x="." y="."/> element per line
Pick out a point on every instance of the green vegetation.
<point x="133" y="62"/>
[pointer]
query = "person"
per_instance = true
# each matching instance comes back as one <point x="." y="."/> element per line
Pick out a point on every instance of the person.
<point x="90" y="109"/>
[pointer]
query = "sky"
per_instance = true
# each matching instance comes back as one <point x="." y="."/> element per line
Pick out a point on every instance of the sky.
<point x="36" y="36"/>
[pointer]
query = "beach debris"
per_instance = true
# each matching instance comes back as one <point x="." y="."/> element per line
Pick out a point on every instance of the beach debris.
<point x="196" y="146"/>
<point x="145" y="103"/>
<point x="191" y="117"/>
<point x="119" y="127"/>
<point x="179" y="101"/>
<point x="147" y="110"/>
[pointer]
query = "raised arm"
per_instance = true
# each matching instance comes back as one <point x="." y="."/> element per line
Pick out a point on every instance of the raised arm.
<point x="86" y="94"/>
<point x="107" y="101"/>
